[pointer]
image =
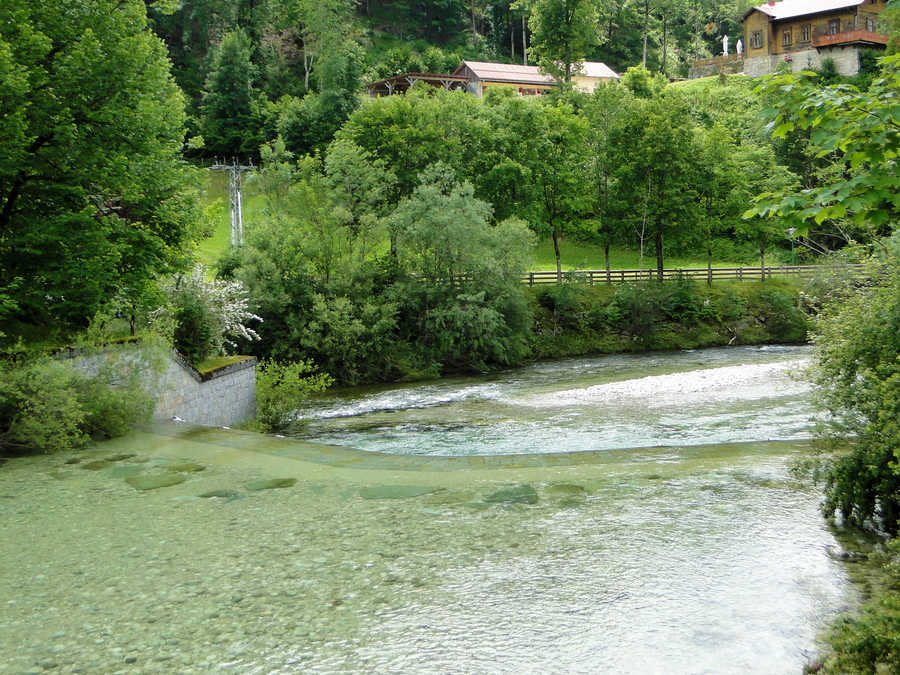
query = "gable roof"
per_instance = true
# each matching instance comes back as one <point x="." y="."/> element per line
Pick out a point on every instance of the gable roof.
<point x="508" y="72"/>
<point x="597" y="69"/>
<point x="789" y="9"/>
<point x="504" y="72"/>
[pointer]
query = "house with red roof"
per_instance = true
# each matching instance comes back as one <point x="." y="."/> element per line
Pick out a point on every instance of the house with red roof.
<point x="478" y="76"/>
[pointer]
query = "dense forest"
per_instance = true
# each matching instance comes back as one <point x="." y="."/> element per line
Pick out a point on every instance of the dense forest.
<point x="306" y="61"/>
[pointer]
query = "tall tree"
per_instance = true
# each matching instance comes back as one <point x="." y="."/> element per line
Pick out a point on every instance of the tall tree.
<point x="656" y="170"/>
<point x="606" y="111"/>
<point x="92" y="201"/>
<point x="230" y="124"/>
<point x="562" y="33"/>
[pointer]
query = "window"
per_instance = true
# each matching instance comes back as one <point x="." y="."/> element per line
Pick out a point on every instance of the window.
<point x="804" y="33"/>
<point x="870" y="25"/>
<point x="786" y="39"/>
<point x="834" y="26"/>
<point x="756" y="39"/>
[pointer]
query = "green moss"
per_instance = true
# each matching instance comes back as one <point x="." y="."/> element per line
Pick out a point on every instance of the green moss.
<point x="218" y="362"/>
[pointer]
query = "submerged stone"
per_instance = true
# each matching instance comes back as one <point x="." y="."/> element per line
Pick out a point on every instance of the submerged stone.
<point x="395" y="491"/>
<point x="186" y="467"/>
<point x="566" y="490"/>
<point x="271" y="484"/>
<point x="74" y="460"/>
<point x="154" y="481"/>
<point x="96" y="465"/>
<point x="221" y="494"/>
<point x="515" y="494"/>
<point x="119" y="458"/>
<point x="126" y="470"/>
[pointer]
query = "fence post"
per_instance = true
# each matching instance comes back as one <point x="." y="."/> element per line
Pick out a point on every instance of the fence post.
<point x="531" y="278"/>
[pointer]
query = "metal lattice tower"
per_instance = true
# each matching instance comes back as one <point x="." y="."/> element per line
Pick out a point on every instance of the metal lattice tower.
<point x="236" y="201"/>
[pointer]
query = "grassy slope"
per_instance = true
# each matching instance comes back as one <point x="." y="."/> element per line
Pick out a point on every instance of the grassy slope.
<point x="574" y="254"/>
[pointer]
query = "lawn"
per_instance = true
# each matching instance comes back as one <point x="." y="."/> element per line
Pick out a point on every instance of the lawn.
<point x="574" y="254"/>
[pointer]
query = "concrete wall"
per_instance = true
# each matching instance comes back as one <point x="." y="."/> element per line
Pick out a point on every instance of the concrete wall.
<point x="846" y="60"/>
<point x="224" y="397"/>
<point x="708" y="67"/>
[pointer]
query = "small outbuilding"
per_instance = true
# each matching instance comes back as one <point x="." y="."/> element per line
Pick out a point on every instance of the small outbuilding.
<point x="477" y="76"/>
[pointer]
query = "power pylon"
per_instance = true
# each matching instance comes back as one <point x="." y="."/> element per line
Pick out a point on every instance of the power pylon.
<point x="234" y="191"/>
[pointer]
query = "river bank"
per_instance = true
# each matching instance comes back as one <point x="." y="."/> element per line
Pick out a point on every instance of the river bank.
<point x="576" y="319"/>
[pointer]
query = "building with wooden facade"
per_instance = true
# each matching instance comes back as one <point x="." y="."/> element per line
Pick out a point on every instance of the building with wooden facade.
<point x="806" y="32"/>
<point x="478" y="76"/>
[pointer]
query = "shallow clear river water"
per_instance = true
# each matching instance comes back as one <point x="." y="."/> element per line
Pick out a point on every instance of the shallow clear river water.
<point x="615" y="556"/>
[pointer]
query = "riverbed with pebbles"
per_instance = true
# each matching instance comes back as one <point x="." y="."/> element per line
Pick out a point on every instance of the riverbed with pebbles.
<point x="204" y="550"/>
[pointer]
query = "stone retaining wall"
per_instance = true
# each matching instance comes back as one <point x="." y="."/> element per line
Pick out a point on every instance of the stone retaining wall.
<point x="845" y="57"/>
<point x="223" y="397"/>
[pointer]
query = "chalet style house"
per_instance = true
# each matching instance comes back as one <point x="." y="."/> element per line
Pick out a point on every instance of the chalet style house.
<point x="478" y="76"/>
<point x="806" y="32"/>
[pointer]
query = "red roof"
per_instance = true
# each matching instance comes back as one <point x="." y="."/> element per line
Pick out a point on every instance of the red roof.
<point x="508" y="72"/>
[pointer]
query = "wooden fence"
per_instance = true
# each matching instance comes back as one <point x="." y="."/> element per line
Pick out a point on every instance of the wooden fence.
<point x="702" y="273"/>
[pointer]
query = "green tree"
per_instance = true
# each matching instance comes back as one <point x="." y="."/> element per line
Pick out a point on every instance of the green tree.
<point x="606" y="111"/>
<point x="463" y="301"/>
<point x="863" y="126"/>
<point x="230" y="123"/>
<point x="554" y="151"/>
<point x="656" y="173"/>
<point x="92" y="196"/>
<point x="562" y="33"/>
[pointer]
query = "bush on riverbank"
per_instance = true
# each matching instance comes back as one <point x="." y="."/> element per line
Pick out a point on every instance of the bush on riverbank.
<point x="51" y="405"/>
<point x="573" y="319"/>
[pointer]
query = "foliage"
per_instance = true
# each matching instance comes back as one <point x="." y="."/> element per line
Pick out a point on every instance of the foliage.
<point x="92" y="196"/>
<point x="53" y="405"/>
<point x="462" y="300"/>
<point x="573" y="319"/>
<point x="863" y="126"/>
<point x="205" y="314"/>
<point x="230" y="121"/>
<point x="281" y="388"/>
<point x="562" y="32"/>
<point x="857" y="376"/>
<point x="657" y="170"/>
<point x="869" y="642"/>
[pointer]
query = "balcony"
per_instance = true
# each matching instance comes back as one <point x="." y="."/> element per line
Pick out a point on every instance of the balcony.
<point x="855" y="36"/>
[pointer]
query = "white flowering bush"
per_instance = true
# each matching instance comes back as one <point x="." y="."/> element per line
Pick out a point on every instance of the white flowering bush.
<point x="205" y="315"/>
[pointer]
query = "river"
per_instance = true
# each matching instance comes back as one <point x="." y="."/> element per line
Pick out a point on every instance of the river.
<point x="647" y="524"/>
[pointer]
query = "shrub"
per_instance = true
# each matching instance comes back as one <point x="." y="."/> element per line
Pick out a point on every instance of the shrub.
<point x="281" y="387"/>
<point x="49" y="405"/>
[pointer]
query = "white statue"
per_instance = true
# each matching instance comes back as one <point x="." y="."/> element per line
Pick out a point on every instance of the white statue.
<point x="725" y="45"/>
<point x="739" y="47"/>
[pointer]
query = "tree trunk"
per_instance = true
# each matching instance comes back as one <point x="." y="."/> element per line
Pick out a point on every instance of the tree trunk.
<point x="524" y="42"/>
<point x="708" y="266"/>
<point x="659" y="253"/>
<point x="606" y="257"/>
<point x="512" y="36"/>
<point x="556" y="251"/>
<point x="762" y="263"/>
<point x="662" y="65"/>
<point x="646" y="27"/>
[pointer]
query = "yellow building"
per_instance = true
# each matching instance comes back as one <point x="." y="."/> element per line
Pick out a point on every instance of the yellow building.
<point x="806" y="32"/>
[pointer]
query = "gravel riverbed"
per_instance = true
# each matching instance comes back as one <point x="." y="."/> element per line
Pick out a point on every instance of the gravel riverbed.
<point x="386" y="568"/>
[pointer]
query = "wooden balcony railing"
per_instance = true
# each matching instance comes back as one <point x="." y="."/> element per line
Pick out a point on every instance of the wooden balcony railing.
<point x="856" y="35"/>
